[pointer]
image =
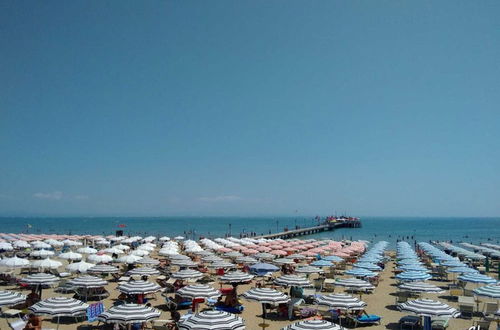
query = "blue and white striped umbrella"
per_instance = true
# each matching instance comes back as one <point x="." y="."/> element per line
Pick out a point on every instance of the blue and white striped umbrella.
<point x="477" y="278"/>
<point x="490" y="291"/>
<point x="360" y="272"/>
<point x="367" y="265"/>
<point x="322" y="263"/>
<point x="409" y="262"/>
<point x="462" y="270"/>
<point x="413" y="276"/>
<point x="453" y="263"/>
<point x="414" y="268"/>
<point x="333" y="258"/>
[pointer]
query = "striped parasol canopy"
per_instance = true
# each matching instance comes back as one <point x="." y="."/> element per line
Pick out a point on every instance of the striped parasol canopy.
<point x="147" y="271"/>
<point x="246" y="260"/>
<point x="284" y="261"/>
<point x="297" y="256"/>
<point x="8" y="298"/>
<point x="313" y="325"/>
<point x="354" y="283"/>
<point x="266" y="296"/>
<point x="420" y="287"/>
<point x="477" y="278"/>
<point x="148" y="261"/>
<point x="184" y="263"/>
<point x="221" y="264"/>
<point x="187" y="274"/>
<point x="233" y="254"/>
<point x="40" y="279"/>
<point x="428" y="307"/>
<point x="360" y="272"/>
<point x="490" y="291"/>
<point x="292" y="280"/>
<point x="264" y="255"/>
<point x="414" y="268"/>
<point x="211" y="258"/>
<point x="129" y="313"/>
<point x="462" y="270"/>
<point x="413" y="276"/>
<point x="213" y="320"/>
<point x="236" y="277"/>
<point x="103" y="269"/>
<point x="59" y="306"/>
<point x="88" y="282"/>
<point x="367" y="265"/>
<point x="309" y="270"/>
<point x="198" y="291"/>
<point x="139" y="287"/>
<point x="341" y="301"/>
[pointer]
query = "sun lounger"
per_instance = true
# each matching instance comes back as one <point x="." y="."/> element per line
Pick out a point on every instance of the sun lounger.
<point x="17" y="324"/>
<point x="409" y="321"/>
<point x="364" y="319"/>
<point x="439" y="323"/>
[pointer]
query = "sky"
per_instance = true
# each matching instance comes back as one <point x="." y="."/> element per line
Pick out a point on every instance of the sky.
<point x="249" y="108"/>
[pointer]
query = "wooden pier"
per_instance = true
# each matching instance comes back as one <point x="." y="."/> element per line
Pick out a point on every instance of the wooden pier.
<point x="313" y="230"/>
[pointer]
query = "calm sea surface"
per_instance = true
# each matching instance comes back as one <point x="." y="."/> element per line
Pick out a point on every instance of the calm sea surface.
<point x="374" y="228"/>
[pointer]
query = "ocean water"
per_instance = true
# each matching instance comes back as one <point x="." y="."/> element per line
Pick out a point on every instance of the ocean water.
<point x="391" y="229"/>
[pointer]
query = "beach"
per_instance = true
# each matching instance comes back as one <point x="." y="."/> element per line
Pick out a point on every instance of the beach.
<point x="380" y="301"/>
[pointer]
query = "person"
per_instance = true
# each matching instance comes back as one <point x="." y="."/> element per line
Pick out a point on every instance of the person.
<point x="175" y="316"/>
<point x="34" y="323"/>
<point x="32" y="298"/>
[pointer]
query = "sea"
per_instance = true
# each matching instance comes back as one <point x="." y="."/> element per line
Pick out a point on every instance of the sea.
<point x="391" y="229"/>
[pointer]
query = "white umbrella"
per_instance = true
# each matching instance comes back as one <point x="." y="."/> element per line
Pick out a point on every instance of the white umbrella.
<point x="20" y="244"/>
<point x="140" y="253"/>
<point x="129" y="259"/>
<point x="46" y="264"/>
<point x="14" y="262"/>
<point x="70" y="256"/>
<point x="99" y="258"/>
<point x="79" y="267"/>
<point x="4" y="246"/>
<point x="86" y="250"/>
<point x="42" y="253"/>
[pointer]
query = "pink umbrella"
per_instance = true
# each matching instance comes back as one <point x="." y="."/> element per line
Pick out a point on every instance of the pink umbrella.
<point x="279" y="252"/>
<point x="224" y="249"/>
<point x="250" y="251"/>
<point x="263" y="249"/>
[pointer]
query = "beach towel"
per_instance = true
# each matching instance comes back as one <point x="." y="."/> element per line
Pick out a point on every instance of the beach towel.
<point x="94" y="310"/>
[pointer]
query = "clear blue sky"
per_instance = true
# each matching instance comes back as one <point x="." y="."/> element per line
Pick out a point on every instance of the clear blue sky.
<point x="249" y="107"/>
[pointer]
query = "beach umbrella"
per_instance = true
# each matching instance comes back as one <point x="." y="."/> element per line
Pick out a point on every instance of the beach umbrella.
<point x="4" y="246"/>
<point x="177" y="256"/>
<point x="122" y="247"/>
<point x="143" y="271"/>
<point x="354" y="283"/>
<point x="477" y="278"/>
<point x="221" y="264"/>
<point x="86" y="250"/>
<point x="103" y="269"/>
<point x="138" y="287"/>
<point x="54" y="242"/>
<point x="212" y="258"/>
<point x="297" y="256"/>
<point x="140" y="252"/>
<point x="246" y="260"/>
<point x="322" y="263"/>
<point x="129" y="313"/>
<point x="88" y="282"/>
<point x="187" y="274"/>
<point x="164" y="238"/>
<point x="284" y="261"/>
<point x="68" y="242"/>
<point x="413" y="276"/>
<point x="148" y="261"/>
<point x="20" y="244"/>
<point x="292" y="280"/>
<point x="360" y="272"/>
<point x="367" y="265"/>
<point x="129" y="259"/>
<point x="233" y="254"/>
<point x="184" y="263"/>
<point x="41" y="253"/>
<point x="46" y="264"/>
<point x="40" y="245"/>
<point x="340" y="301"/>
<point x="490" y="291"/>
<point x="236" y="277"/>
<point x="453" y="263"/>
<point x="14" y="262"/>
<point x="420" y="287"/>
<point x="313" y="325"/>
<point x="70" y="256"/>
<point x="59" y="306"/>
<point x="79" y="267"/>
<point x="8" y="298"/>
<point x="40" y="279"/>
<point x="462" y="270"/>
<point x="428" y="307"/>
<point x="263" y="268"/>
<point x="266" y="296"/>
<point x="265" y="255"/>
<point x="203" y="253"/>
<point x="112" y="250"/>
<point x="308" y="270"/>
<point x="414" y="268"/>
<point x="333" y="258"/>
<point x="213" y="320"/>
<point x="99" y="258"/>
<point x="198" y="291"/>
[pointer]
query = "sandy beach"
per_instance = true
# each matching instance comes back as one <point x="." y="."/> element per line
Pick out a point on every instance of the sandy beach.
<point x="380" y="302"/>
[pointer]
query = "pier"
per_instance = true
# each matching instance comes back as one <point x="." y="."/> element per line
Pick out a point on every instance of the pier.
<point x="332" y="225"/>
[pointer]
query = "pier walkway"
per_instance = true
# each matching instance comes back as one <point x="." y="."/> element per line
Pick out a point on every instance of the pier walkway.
<point x="313" y="230"/>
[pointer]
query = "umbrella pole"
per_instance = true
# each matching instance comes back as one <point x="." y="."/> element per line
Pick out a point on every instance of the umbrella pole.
<point x="57" y="322"/>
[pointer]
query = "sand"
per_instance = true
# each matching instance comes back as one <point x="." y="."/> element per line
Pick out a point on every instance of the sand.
<point x="380" y="302"/>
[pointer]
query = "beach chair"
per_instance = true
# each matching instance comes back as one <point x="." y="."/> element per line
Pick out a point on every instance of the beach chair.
<point x="402" y="297"/>
<point x="482" y="324"/>
<point x="364" y="319"/>
<point x="409" y="321"/>
<point x="17" y="324"/>
<point x="455" y="292"/>
<point x="489" y="310"/>
<point x="439" y="323"/>
<point x="466" y="309"/>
